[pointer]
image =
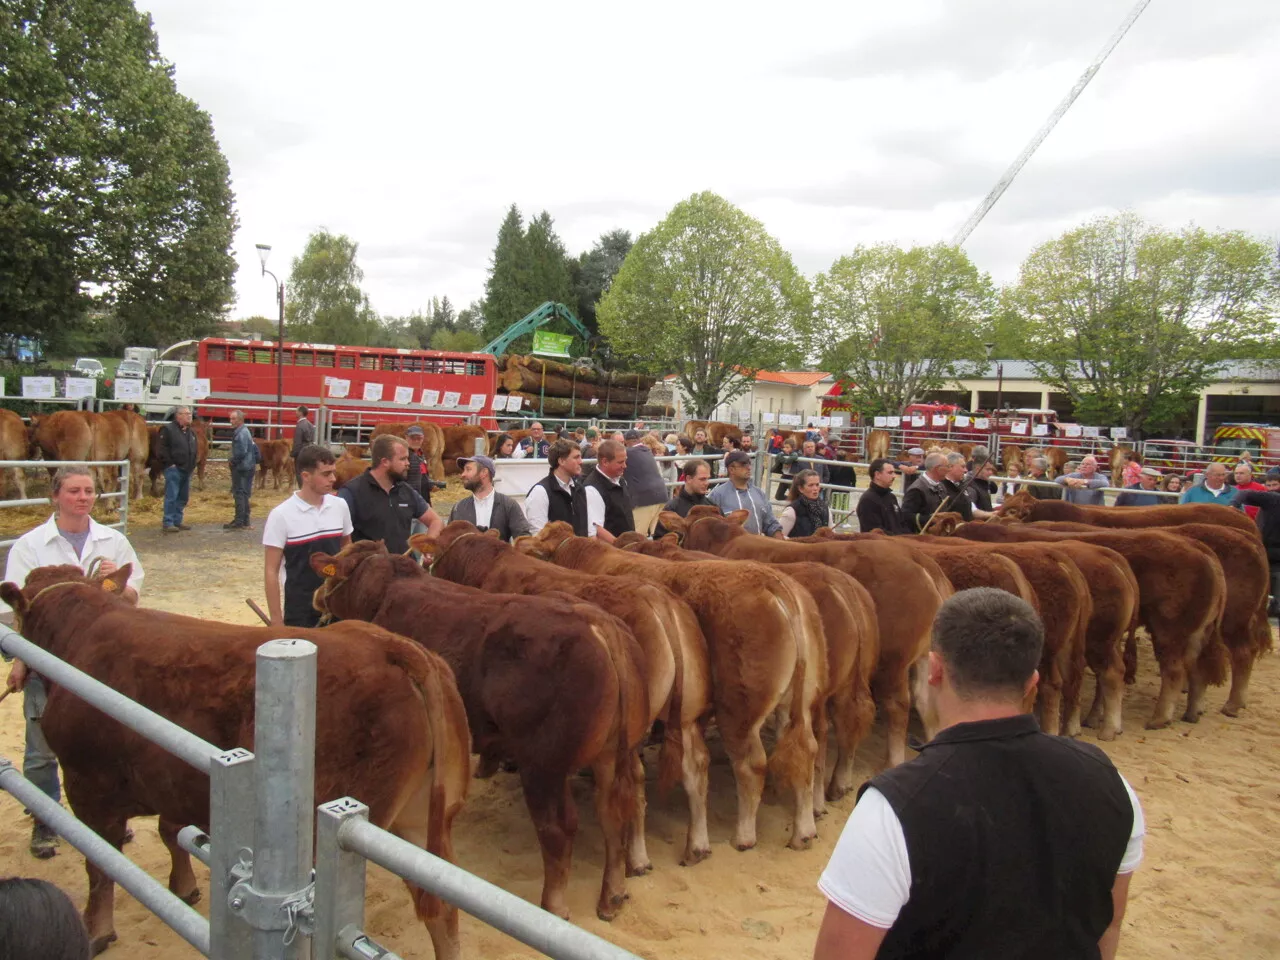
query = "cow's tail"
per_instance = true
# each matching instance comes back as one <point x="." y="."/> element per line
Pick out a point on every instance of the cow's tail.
<point x="1213" y="663"/>
<point x="796" y="747"/>
<point x="632" y="717"/>
<point x="671" y="754"/>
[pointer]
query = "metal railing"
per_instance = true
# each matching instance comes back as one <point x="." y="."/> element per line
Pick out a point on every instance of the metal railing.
<point x="122" y="494"/>
<point x="265" y="900"/>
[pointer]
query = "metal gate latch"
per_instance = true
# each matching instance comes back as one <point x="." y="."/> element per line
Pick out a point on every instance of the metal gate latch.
<point x="290" y="913"/>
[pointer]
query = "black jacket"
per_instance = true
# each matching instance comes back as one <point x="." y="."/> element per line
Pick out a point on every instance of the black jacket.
<point x="177" y="447"/>
<point x="1268" y="518"/>
<point x="682" y="503"/>
<point x="979" y="493"/>
<point x="1043" y="493"/>
<point x="644" y="478"/>
<point x="507" y="517"/>
<point x="878" y="510"/>
<point x="569" y="508"/>
<point x="922" y="499"/>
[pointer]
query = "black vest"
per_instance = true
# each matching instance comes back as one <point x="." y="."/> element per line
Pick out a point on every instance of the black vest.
<point x="561" y="506"/>
<point x="1014" y="839"/>
<point x="807" y="524"/>
<point x="618" y="518"/>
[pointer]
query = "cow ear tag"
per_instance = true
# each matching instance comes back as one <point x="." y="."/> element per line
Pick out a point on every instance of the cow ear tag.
<point x="109" y="586"/>
<point x="329" y="570"/>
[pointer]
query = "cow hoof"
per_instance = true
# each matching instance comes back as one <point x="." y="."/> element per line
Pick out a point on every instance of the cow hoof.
<point x="802" y="843"/>
<point x="694" y="857"/>
<point x="1108" y="735"/>
<point x="1192" y="717"/>
<point x="742" y="845"/>
<point x="192" y="898"/>
<point x="1158" y="724"/>
<point x="101" y="943"/>
<point x="836" y="792"/>
<point x="640" y="870"/>
<point x="608" y="911"/>
<point x="1232" y="709"/>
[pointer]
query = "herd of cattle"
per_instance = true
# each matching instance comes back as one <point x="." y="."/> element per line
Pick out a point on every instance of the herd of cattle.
<point x="560" y="654"/>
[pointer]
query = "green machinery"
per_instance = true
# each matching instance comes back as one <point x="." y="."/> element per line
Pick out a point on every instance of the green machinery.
<point x="539" y="318"/>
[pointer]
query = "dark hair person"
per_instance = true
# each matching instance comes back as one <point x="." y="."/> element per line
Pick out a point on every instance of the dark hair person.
<point x="39" y="922"/>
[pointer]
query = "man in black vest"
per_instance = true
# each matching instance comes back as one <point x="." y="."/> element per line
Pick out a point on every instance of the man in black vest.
<point x="609" y="505"/>
<point x="559" y="495"/>
<point x="997" y="840"/>
<point x="697" y="478"/>
<point x="878" y="507"/>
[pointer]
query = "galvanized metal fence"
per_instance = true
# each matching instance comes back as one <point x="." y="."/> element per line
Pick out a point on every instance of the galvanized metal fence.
<point x="122" y="494"/>
<point x="265" y="901"/>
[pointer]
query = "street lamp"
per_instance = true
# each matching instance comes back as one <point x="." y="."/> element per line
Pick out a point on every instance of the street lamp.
<point x="999" y="380"/>
<point x="264" y="250"/>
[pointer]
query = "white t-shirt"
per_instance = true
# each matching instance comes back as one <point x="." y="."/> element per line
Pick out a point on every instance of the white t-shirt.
<point x="869" y="874"/>
<point x="46" y="547"/>
<point x="299" y="529"/>
<point x="484" y="509"/>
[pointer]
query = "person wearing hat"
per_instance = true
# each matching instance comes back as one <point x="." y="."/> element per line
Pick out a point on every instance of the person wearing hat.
<point x="1268" y="503"/>
<point x="1139" y="494"/>
<point x="910" y="468"/>
<point x="419" y="479"/>
<point x="644" y="482"/>
<point x="486" y="508"/>
<point x="739" y="493"/>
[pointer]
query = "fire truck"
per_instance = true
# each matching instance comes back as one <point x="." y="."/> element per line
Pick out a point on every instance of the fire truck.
<point x="354" y="387"/>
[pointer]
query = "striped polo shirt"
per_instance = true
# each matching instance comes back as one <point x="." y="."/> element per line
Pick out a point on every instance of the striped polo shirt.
<point x="300" y="530"/>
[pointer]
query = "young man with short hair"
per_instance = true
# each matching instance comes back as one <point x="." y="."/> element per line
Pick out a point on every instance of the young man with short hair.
<point x="313" y="520"/>
<point x="878" y="508"/>
<point x="697" y="478"/>
<point x="998" y="840"/>
<point x="383" y="507"/>
<point x="559" y="495"/>
<point x="486" y="508"/>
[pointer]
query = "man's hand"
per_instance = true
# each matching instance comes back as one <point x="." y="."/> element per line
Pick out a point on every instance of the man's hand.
<point x="778" y="534"/>
<point x="17" y="676"/>
<point x="107" y="567"/>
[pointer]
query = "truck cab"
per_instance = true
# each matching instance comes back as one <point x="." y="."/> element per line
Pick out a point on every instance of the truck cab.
<point x="167" y="385"/>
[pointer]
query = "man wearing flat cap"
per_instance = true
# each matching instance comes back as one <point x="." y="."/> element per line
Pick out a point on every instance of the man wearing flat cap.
<point x="1141" y="494"/>
<point x="486" y="508"/>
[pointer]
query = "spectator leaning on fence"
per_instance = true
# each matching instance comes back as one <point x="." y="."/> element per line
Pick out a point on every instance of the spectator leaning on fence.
<point x="176" y="450"/>
<point x="534" y="446"/>
<point x="878" y="507"/>
<point x="69" y="536"/>
<point x="739" y="493"/>
<point x="645" y="482"/>
<point x="1085" y="486"/>
<point x="1039" y="468"/>
<point x="1141" y="494"/>
<point x="1212" y="489"/>
<point x="692" y="493"/>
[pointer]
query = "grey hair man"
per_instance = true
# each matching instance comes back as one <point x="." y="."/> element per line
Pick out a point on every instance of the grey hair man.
<point x="243" y="462"/>
<point x="1085" y="485"/>
<point x="929" y="490"/>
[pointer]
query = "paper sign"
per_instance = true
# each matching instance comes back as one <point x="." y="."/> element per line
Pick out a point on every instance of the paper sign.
<point x="790" y="419"/>
<point x="373" y="392"/>
<point x="939" y="419"/>
<point x="128" y="389"/>
<point x="477" y="401"/>
<point x="767" y="417"/>
<point x="338" y="387"/>
<point x="77" y="387"/>
<point x="198" y="389"/>
<point x="404" y="394"/>
<point x="917" y="421"/>
<point x="1040" y="429"/>
<point x="499" y="401"/>
<point x="38" y="388"/>
<point x="813" y="422"/>
<point x="1119" y="433"/>
<point x="824" y="421"/>
<point x="595" y="401"/>
<point x="961" y="421"/>
<point x="837" y="421"/>
<point x="2" y="393"/>
<point x="894" y="421"/>
<point x="1091" y="432"/>
<point x="430" y="398"/>
<point x="1072" y="429"/>
<point x="981" y="423"/>
<point x="1019" y="427"/>
<point x="451" y="398"/>
<point x="514" y="402"/>
<point x="881" y="421"/>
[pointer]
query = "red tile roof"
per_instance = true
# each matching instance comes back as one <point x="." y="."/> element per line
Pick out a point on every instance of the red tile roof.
<point x="797" y="378"/>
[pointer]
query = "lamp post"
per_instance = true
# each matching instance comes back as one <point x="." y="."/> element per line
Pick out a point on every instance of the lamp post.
<point x="999" y="380"/>
<point x="264" y="250"/>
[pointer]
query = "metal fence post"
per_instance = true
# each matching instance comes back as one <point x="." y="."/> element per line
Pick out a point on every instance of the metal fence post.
<point x="340" y="877"/>
<point x="231" y="800"/>
<point x="125" y="485"/>
<point x="285" y="749"/>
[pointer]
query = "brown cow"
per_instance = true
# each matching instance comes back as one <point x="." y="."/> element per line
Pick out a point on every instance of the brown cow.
<point x="62" y="435"/>
<point x="460" y="441"/>
<point x="907" y="590"/>
<point x="853" y="646"/>
<point x="433" y="443"/>
<point x="1182" y="597"/>
<point x="716" y="430"/>
<point x="273" y="458"/>
<point x="15" y="444"/>
<point x="139" y="447"/>
<point x="1023" y="506"/>
<point x="677" y="669"/>
<point x="407" y="759"/>
<point x="112" y="440"/>
<point x="767" y="659"/>
<point x="877" y="444"/>
<point x="551" y="682"/>
<point x="347" y="469"/>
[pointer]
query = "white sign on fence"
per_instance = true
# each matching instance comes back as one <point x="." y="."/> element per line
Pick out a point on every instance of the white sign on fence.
<point x="372" y="392"/>
<point x="894" y="421"/>
<point x="881" y="421"/>
<point x="939" y="419"/>
<point x="1040" y="429"/>
<point x="981" y="423"/>
<point x="499" y="401"/>
<point x="38" y="388"/>
<point x="961" y="421"/>
<point x="430" y="398"/>
<point x="128" y="389"/>
<point x="1119" y="433"/>
<point x="837" y="421"/>
<point x="1091" y="432"/>
<point x="514" y="402"/>
<point x="1019" y="427"/>
<point x="77" y="387"/>
<point x="767" y="417"/>
<point x="338" y="387"/>
<point x="404" y="394"/>
<point x="789" y="419"/>
<point x="451" y="398"/>
<point x="1072" y="429"/>
<point x="824" y="421"/>
<point x="917" y="421"/>
<point x="198" y="389"/>
<point x="2" y="393"/>
<point x="477" y="401"/>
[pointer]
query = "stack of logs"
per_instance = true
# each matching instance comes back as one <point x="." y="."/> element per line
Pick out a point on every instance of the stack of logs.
<point x="564" y="390"/>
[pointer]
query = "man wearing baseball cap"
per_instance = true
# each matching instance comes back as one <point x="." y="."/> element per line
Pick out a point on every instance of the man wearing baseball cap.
<point x="738" y="493"/>
<point x="486" y="508"/>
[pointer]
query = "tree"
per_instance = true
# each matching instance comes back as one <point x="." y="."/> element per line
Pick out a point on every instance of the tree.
<point x="1131" y="321"/>
<point x="529" y="268"/>
<point x="324" y="302"/>
<point x="899" y="323"/>
<point x="707" y="295"/>
<point x="471" y="317"/>
<point x="459" y="341"/>
<point x="594" y="271"/>
<point x="116" y="197"/>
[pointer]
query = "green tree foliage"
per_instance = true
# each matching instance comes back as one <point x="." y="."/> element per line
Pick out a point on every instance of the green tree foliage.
<point x="323" y="301"/>
<point x="1131" y="320"/>
<point x="899" y="323"/>
<point x="594" y="270"/>
<point x="115" y="196"/>
<point x="529" y="267"/>
<point x="459" y="341"/>
<point x="707" y="295"/>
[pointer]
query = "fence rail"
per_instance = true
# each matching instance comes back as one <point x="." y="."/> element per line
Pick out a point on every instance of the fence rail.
<point x="122" y="494"/>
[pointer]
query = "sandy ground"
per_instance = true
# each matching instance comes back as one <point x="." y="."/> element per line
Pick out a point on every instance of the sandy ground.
<point x="1209" y="888"/>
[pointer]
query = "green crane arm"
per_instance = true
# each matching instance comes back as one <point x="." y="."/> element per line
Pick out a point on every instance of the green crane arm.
<point x="539" y="317"/>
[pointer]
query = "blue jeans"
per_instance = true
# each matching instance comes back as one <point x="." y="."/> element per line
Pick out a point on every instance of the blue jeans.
<point x="177" y="490"/>
<point x="39" y="765"/>
<point x="241" y="489"/>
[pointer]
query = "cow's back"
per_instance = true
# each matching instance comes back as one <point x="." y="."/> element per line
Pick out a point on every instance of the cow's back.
<point x="13" y="436"/>
<point x="64" y="435"/>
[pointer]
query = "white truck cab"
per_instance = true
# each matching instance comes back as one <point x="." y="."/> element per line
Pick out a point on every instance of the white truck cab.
<point x="167" y="385"/>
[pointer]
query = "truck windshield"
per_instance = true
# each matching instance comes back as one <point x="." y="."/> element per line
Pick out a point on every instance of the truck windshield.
<point x="166" y="376"/>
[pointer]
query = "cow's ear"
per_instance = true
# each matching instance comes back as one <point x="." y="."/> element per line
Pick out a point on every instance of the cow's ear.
<point x="493" y="532"/>
<point x="671" y="538"/>
<point x="671" y="520"/>
<point x="118" y="579"/>
<point x="425" y="544"/>
<point x="324" y="565"/>
<point x="738" y="516"/>
<point x="11" y="594"/>
<point x="822" y="532"/>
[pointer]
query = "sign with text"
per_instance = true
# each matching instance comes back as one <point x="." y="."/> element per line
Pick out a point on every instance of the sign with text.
<point x="477" y="401"/>
<point x="1071" y="429"/>
<point x="824" y="421"/>
<point x="1119" y="433"/>
<point x="548" y="344"/>
<point x="917" y="421"/>
<point x="338" y="387"/>
<point x="78" y="387"/>
<point x="38" y="388"/>
<point x="1019" y="427"/>
<point x="1090" y="432"/>
<point x="767" y="417"/>
<point x="881" y="421"/>
<point x="894" y="422"/>
<point x="451" y="398"/>
<point x="430" y="398"/>
<point x="1040" y="429"/>
<point x="939" y="419"/>
<point x="837" y="421"/>
<point x="373" y="392"/>
<point x="981" y="423"/>
<point x="198" y="389"/>
<point x="404" y="394"/>
<point x="127" y="388"/>
<point x="961" y="421"/>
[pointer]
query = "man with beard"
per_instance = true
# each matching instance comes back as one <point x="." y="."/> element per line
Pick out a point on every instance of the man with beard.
<point x="383" y="506"/>
<point x="486" y="508"/>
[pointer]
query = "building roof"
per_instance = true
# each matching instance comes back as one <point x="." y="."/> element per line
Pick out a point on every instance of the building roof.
<point x="789" y="378"/>
<point x="1257" y="371"/>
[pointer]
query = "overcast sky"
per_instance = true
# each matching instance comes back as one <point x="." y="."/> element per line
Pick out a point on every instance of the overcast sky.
<point x="412" y="126"/>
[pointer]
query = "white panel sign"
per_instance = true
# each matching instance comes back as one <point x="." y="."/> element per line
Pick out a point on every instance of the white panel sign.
<point x="894" y="422"/>
<point x="477" y="401"/>
<point x="128" y="389"/>
<point x="77" y="387"/>
<point x="824" y="421"/>
<point x="1091" y="432"/>
<point x="1019" y="427"/>
<point x="2" y="393"/>
<point x="837" y="421"/>
<point x="1119" y="433"/>
<point x="404" y="394"/>
<point x="1040" y="429"/>
<point x="981" y="423"/>
<point x="451" y="398"/>
<point x="917" y="421"/>
<point x="961" y="421"/>
<point x="1072" y="429"/>
<point x="430" y="398"/>
<point x="338" y="387"/>
<point x="198" y="389"/>
<point x="499" y="401"/>
<point x="768" y="417"/>
<point x="373" y="392"/>
<point x="939" y="419"/>
<point x="514" y="402"/>
<point x="882" y="421"/>
<point x="38" y="388"/>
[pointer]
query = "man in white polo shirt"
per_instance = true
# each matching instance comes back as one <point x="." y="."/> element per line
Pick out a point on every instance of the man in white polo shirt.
<point x="312" y="520"/>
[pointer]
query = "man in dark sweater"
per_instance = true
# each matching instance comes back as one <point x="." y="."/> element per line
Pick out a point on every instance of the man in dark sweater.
<point x="176" y="450"/>
<point x="697" y="477"/>
<point x="1268" y="520"/>
<point x="997" y="840"/>
<point x="644" y="482"/>
<point x="878" y="507"/>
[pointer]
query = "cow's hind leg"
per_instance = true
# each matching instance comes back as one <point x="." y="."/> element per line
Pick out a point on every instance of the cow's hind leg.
<point x="614" y="794"/>
<point x="1241" y="670"/>
<point x="182" y="880"/>
<point x="20" y="481"/>
<point x="1172" y="677"/>
<point x="412" y="823"/>
<point x="893" y="693"/>
<point x="555" y="818"/>
<point x="99" y="911"/>
<point x="695" y="763"/>
<point x="852" y="713"/>
<point x="638" y="862"/>
<point x="746" y="752"/>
